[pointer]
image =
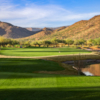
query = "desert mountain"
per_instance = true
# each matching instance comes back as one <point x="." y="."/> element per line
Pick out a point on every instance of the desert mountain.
<point x="45" y="32"/>
<point x="10" y="31"/>
<point x="86" y="29"/>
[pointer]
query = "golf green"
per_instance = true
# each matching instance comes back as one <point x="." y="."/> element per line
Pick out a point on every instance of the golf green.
<point x="31" y="52"/>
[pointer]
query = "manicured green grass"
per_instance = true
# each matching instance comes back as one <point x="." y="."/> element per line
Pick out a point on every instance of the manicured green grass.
<point x="27" y="65"/>
<point x="48" y="87"/>
<point x="18" y="82"/>
<point x="40" y="51"/>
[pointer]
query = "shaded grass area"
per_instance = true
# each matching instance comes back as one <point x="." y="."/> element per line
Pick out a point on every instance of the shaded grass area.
<point x="27" y="65"/>
<point x="50" y="94"/>
<point x="12" y="75"/>
<point x="40" y="51"/>
<point x="48" y="87"/>
<point x="17" y="82"/>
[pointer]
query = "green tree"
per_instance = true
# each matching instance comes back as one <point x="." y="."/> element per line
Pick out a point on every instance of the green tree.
<point x="39" y="43"/>
<point x="2" y="41"/>
<point x="69" y="42"/>
<point x="34" y="43"/>
<point x="55" y="41"/>
<point x="94" y="42"/>
<point x="27" y="43"/>
<point x="13" y="42"/>
<point x="76" y="42"/>
<point x="81" y="42"/>
<point x="90" y="42"/>
<point x="97" y="41"/>
<point x="47" y="43"/>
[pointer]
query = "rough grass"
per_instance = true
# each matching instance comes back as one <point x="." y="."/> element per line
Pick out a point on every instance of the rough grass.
<point x="31" y="52"/>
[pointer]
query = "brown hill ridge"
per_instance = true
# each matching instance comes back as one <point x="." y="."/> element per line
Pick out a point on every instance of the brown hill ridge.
<point x="45" y="32"/>
<point x="84" y="29"/>
<point x="10" y="31"/>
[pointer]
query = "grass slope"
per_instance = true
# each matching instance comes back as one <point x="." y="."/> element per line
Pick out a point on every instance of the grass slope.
<point x="40" y="51"/>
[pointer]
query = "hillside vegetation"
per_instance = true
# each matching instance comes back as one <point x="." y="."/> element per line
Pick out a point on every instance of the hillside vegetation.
<point x="86" y="29"/>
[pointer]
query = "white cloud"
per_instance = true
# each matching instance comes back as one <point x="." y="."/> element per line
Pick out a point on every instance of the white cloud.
<point x="33" y="15"/>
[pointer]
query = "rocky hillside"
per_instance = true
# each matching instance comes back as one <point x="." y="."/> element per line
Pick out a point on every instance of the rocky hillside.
<point x="86" y="29"/>
<point x="45" y="32"/>
<point x="10" y="31"/>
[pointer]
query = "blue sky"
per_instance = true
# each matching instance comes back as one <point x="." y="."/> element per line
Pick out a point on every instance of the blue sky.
<point x="47" y="13"/>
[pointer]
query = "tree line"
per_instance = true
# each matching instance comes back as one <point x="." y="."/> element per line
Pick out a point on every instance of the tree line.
<point x="55" y="42"/>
